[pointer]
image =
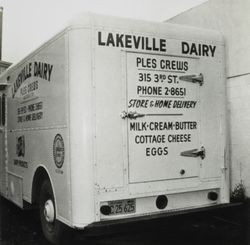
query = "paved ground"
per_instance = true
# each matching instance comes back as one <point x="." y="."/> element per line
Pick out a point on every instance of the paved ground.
<point x="229" y="227"/>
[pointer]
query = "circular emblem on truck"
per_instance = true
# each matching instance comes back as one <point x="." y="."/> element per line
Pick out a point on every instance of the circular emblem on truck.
<point x="58" y="150"/>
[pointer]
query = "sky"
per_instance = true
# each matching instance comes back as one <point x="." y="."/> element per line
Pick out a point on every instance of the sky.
<point x="29" y="23"/>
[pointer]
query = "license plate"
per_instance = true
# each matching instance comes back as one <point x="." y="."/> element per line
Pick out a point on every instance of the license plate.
<point x="122" y="207"/>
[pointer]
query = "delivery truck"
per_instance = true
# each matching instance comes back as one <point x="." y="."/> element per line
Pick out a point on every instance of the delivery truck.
<point x="114" y="120"/>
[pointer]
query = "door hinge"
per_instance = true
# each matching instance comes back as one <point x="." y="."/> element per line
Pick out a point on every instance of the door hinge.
<point x="195" y="153"/>
<point x="131" y="115"/>
<point x="193" y="78"/>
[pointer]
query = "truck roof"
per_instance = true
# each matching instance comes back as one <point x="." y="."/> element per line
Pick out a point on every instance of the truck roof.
<point x="135" y="25"/>
<point x="91" y="20"/>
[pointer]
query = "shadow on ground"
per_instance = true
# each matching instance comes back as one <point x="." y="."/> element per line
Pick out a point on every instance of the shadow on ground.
<point x="222" y="227"/>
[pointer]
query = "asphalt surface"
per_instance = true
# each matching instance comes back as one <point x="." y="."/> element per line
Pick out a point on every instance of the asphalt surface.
<point x="223" y="227"/>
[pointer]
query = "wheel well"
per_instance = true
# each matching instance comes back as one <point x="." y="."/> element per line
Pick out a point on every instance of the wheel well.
<point x="40" y="175"/>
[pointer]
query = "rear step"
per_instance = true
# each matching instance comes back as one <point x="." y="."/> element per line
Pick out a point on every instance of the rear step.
<point x="110" y="226"/>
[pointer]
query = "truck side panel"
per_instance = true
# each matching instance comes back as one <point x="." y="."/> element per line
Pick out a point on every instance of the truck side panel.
<point x="38" y="133"/>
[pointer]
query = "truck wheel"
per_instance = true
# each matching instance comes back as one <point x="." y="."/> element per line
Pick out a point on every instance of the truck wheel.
<point x="52" y="228"/>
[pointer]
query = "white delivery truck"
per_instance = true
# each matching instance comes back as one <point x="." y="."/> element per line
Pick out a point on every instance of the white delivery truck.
<point x="114" y="120"/>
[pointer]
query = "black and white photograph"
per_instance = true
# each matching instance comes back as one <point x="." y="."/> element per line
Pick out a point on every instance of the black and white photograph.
<point x="124" y="122"/>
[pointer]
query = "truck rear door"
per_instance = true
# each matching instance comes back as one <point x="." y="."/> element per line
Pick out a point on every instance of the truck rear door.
<point x="163" y="112"/>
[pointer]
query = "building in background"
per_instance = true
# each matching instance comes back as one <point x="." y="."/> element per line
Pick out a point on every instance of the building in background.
<point x="3" y="64"/>
<point x="232" y="19"/>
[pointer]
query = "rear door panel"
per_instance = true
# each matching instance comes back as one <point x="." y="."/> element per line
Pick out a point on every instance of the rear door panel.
<point x="168" y="119"/>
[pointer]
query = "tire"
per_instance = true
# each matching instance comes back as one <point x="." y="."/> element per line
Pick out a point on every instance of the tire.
<point x="52" y="229"/>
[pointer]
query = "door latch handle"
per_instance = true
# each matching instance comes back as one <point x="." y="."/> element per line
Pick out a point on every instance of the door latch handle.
<point x="195" y="153"/>
<point x="193" y="78"/>
<point x="131" y="115"/>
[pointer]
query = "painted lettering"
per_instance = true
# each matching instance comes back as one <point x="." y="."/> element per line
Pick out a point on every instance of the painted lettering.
<point x="198" y="49"/>
<point x="121" y="40"/>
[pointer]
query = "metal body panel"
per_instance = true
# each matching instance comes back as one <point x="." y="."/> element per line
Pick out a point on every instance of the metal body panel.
<point x="110" y="101"/>
<point x="82" y="128"/>
<point x="15" y="184"/>
<point x="155" y="153"/>
<point x="186" y="200"/>
<point x="38" y="133"/>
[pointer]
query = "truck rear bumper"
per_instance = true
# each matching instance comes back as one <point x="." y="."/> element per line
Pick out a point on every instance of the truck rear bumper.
<point x="107" y="226"/>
